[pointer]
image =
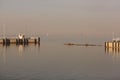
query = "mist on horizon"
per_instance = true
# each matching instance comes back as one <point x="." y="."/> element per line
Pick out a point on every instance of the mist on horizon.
<point x="71" y="19"/>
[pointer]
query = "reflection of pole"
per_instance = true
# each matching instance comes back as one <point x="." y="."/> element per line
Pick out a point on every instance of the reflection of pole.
<point x="113" y="51"/>
<point x="4" y="55"/>
<point x="20" y="50"/>
<point x="0" y="30"/>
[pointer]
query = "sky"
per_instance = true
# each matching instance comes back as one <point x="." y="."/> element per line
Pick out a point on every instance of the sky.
<point x="71" y="19"/>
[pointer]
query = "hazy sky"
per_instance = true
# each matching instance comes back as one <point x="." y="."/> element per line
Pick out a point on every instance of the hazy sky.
<point x="61" y="17"/>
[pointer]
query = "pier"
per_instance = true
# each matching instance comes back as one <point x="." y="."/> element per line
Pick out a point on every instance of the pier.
<point x="112" y="44"/>
<point x="21" y="39"/>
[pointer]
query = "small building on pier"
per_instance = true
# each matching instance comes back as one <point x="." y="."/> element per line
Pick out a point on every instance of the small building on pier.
<point x="21" y="39"/>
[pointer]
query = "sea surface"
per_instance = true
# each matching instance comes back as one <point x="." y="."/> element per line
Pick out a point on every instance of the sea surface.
<point x="56" y="61"/>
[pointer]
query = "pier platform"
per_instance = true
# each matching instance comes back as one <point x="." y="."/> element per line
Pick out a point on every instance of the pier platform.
<point x="20" y="39"/>
<point x="112" y="44"/>
<point x="17" y="41"/>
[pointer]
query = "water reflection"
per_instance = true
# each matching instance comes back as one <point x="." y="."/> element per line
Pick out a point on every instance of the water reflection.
<point x="3" y="54"/>
<point x="16" y="50"/>
<point x="112" y="50"/>
<point x="57" y="62"/>
<point x="20" y="49"/>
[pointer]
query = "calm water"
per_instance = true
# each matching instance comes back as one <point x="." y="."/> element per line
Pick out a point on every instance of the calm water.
<point x="51" y="61"/>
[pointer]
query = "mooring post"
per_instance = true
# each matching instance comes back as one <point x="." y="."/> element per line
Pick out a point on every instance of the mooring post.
<point x="35" y="40"/>
<point x="38" y="40"/>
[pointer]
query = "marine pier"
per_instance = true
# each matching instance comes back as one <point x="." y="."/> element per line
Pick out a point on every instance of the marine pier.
<point x="115" y="43"/>
<point x="112" y="44"/>
<point x="21" y="39"/>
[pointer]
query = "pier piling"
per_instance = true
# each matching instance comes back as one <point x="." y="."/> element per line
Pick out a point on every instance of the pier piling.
<point x="17" y="41"/>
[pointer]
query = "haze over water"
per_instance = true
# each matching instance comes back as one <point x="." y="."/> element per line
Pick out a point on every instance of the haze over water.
<point x="58" y="22"/>
<point x="82" y="20"/>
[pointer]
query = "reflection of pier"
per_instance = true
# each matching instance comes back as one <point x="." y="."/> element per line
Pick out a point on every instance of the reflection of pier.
<point x="3" y="51"/>
<point x="16" y="50"/>
<point x="112" y="50"/>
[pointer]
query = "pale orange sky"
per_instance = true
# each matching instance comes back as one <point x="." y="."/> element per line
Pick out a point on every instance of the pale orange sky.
<point x="61" y="17"/>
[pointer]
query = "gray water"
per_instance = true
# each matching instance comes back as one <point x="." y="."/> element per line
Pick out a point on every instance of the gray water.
<point x="56" y="61"/>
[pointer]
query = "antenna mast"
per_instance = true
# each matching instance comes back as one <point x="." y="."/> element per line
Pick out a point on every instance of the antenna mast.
<point x="113" y="36"/>
<point x="4" y="35"/>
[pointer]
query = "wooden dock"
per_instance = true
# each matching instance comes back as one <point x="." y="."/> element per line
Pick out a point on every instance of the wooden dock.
<point x="17" y="41"/>
<point x="112" y="44"/>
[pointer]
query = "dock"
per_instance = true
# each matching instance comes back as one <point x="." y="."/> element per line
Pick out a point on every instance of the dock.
<point x="112" y="47"/>
<point x="21" y="39"/>
<point x="112" y="44"/>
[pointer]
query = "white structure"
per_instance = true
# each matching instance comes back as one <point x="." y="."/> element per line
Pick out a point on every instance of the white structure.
<point x="116" y="39"/>
<point x="21" y="36"/>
